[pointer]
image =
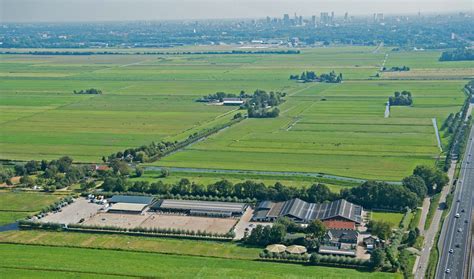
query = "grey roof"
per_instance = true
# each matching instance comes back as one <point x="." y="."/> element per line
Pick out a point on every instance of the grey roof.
<point x="265" y="205"/>
<point x="131" y="199"/>
<point x="305" y="211"/>
<point x="200" y="205"/>
<point x="343" y="234"/>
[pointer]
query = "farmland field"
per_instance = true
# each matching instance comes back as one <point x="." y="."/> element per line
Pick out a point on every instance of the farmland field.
<point x="14" y="206"/>
<point x="337" y="129"/>
<point x="152" y="265"/>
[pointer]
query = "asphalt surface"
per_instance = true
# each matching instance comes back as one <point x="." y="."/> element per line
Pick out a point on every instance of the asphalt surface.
<point x="456" y="233"/>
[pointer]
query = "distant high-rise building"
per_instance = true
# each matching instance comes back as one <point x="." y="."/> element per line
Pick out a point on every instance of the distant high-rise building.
<point x="378" y="17"/>
<point x="300" y="20"/>
<point x="346" y="16"/>
<point x="332" y="16"/>
<point x="324" y="18"/>
<point x="286" y="19"/>
<point x="313" y="20"/>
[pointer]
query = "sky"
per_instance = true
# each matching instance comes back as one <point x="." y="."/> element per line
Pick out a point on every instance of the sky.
<point x="114" y="10"/>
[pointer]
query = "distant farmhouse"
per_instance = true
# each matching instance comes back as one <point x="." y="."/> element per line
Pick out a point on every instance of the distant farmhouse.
<point x="232" y="101"/>
<point x="340" y="213"/>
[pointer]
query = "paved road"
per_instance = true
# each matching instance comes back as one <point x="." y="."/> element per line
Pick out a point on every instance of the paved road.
<point x="430" y="233"/>
<point x="456" y="232"/>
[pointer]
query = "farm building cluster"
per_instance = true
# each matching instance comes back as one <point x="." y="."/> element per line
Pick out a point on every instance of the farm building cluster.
<point x="343" y="220"/>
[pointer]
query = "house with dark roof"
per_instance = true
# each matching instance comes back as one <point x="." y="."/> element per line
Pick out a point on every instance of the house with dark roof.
<point x="131" y="199"/>
<point x="304" y="212"/>
<point x="339" y="242"/>
<point x="341" y="236"/>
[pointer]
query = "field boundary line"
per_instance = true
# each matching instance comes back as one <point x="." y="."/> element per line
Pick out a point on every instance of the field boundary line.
<point x="74" y="271"/>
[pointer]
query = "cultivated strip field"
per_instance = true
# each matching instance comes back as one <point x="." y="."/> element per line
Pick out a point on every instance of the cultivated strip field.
<point x="31" y="260"/>
<point x="337" y="129"/>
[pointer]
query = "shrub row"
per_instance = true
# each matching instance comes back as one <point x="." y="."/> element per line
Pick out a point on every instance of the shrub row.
<point x="284" y="256"/>
<point x="24" y="224"/>
<point x="179" y="197"/>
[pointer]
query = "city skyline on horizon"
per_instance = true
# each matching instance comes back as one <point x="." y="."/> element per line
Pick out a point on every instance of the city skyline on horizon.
<point x="160" y="10"/>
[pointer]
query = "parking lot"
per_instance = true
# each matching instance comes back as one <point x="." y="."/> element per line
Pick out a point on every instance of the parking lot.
<point x="81" y="208"/>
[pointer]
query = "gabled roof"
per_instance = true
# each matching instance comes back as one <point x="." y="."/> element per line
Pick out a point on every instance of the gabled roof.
<point x="304" y="211"/>
<point x="196" y="205"/>
<point x="341" y="235"/>
<point x="336" y="224"/>
<point x="131" y="199"/>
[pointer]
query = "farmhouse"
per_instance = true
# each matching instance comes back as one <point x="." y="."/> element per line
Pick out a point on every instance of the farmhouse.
<point x="201" y="208"/>
<point x="232" y="101"/>
<point x="304" y="212"/>
<point x="129" y="204"/>
<point x="339" y="242"/>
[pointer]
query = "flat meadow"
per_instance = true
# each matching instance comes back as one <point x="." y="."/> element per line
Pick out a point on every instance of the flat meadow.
<point x="18" y="205"/>
<point x="337" y="129"/>
<point x="26" y="258"/>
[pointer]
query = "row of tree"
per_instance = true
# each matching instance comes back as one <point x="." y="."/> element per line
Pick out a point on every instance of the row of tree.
<point x="89" y="91"/>
<point x="220" y="96"/>
<point x="224" y="188"/>
<point x="460" y="54"/>
<point x="372" y="194"/>
<point x="155" y="150"/>
<point x="311" y="76"/>
<point x="457" y="128"/>
<point x="397" y="69"/>
<point x="401" y="99"/>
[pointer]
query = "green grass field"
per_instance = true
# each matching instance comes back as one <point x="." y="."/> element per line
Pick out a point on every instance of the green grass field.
<point x="335" y="129"/>
<point x="132" y="243"/>
<point x="18" y="205"/>
<point x="209" y="178"/>
<point x="97" y="263"/>
<point x="391" y="217"/>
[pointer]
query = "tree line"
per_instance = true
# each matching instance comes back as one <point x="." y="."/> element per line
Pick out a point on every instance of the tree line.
<point x="223" y="188"/>
<point x="371" y="194"/>
<point x="156" y="150"/>
<point x="88" y="91"/>
<point x="401" y="98"/>
<point x="289" y="51"/>
<point x="458" y="129"/>
<point x="311" y="76"/>
<point x="380" y="195"/>
<point x="220" y="96"/>
<point x="397" y="69"/>
<point x="460" y="54"/>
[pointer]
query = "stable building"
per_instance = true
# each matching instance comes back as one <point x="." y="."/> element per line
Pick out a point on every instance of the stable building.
<point x="347" y="214"/>
<point x="129" y="204"/>
<point x="232" y="101"/>
<point x="200" y="208"/>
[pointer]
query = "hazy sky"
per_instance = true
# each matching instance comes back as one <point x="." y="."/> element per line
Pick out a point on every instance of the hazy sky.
<point x="105" y="10"/>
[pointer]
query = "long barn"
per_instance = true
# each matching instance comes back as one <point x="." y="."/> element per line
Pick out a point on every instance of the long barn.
<point x="201" y="208"/>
